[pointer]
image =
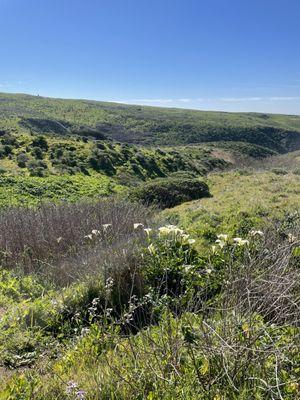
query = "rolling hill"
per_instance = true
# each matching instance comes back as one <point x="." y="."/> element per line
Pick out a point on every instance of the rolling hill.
<point x="146" y="125"/>
<point x="95" y="148"/>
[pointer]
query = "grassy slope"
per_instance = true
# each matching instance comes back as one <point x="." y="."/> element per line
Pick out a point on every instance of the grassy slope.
<point x="241" y="201"/>
<point x="147" y="125"/>
<point x="195" y="141"/>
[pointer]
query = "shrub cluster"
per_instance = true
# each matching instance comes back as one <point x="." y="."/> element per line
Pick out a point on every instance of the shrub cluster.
<point x="169" y="192"/>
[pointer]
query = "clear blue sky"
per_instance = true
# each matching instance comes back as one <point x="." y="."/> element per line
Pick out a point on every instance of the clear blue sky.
<point x="239" y="55"/>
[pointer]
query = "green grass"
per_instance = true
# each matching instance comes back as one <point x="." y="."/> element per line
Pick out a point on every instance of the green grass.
<point x="241" y="200"/>
<point x="29" y="191"/>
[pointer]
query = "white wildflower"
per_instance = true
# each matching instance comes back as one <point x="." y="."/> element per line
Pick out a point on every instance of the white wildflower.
<point x="137" y="225"/>
<point x="222" y="237"/>
<point x="106" y="226"/>
<point x="221" y="243"/>
<point x="89" y="237"/>
<point x="95" y="232"/>
<point x="256" y="233"/>
<point x="109" y="284"/>
<point x="148" y="230"/>
<point x="209" y="271"/>
<point x="59" y="239"/>
<point x="163" y="230"/>
<point x="84" y="331"/>
<point x="170" y="229"/>
<point x="241" y="242"/>
<point x="151" y="249"/>
<point x="185" y="236"/>
<point x="191" y="241"/>
<point x="237" y="239"/>
<point x="291" y="238"/>
<point x="187" y="268"/>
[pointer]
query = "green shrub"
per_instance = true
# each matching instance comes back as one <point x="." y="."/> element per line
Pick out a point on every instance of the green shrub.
<point x="167" y="193"/>
<point x="183" y="175"/>
<point x="100" y="161"/>
<point x="36" y="168"/>
<point x="37" y="153"/>
<point x="8" y="149"/>
<point x="8" y="139"/>
<point x="22" y="159"/>
<point x="41" y="142"/>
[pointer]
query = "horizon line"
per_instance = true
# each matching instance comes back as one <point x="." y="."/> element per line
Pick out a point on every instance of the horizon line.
<point x="167" y="102"/>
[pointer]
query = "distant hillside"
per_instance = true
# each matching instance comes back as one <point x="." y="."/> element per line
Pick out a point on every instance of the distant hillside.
<point x="146" y="125"/>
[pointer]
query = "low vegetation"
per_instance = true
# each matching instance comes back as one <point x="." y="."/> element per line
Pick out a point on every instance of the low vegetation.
<point x="186" y="324"/>
<point x="104" y="295"/>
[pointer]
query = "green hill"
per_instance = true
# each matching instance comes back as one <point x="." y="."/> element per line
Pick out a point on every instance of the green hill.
<point x="146" y="125"/>
<point x="48" y="140"/>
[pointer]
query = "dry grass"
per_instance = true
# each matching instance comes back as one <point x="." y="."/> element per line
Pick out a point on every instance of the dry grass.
<point x="55" y="238"/>
<point x="268" y="283"/>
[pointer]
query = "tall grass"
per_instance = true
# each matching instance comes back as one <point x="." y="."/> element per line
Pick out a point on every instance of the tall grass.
<point x="65" y="240"/>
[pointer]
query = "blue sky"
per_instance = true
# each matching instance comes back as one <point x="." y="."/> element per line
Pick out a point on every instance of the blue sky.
<point x="232" y="55"/>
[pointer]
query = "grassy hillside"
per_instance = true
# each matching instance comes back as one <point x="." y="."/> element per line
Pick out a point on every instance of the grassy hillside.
<point x="146" y="125"/>
<point x="105" y="298"/>
<point x="55" y="138"/>
<point x="240" y="200"/>
<point x="35" y="168"/>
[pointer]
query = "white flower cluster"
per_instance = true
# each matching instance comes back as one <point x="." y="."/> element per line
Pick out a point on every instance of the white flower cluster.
<point x="292" y="238"/>
<point x="173" y="230"/>
<point x="224" y="240"/>
<point x="95" y="232"/>
<point x="169" y="232"/>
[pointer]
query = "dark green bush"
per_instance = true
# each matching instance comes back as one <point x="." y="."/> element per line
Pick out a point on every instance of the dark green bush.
<point x="8" y="139"/>
<point x="41" y="142"/>
<point x="100" y="161"/>
<point x="37" y="167"/>
<point x="37" y="153"/>
<point x="22" y="159"/>
<point x="2" y="152"/>
<point x="8" y="149"/>
<point x="183" y="175"/>
<point x="170" y="192"/>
